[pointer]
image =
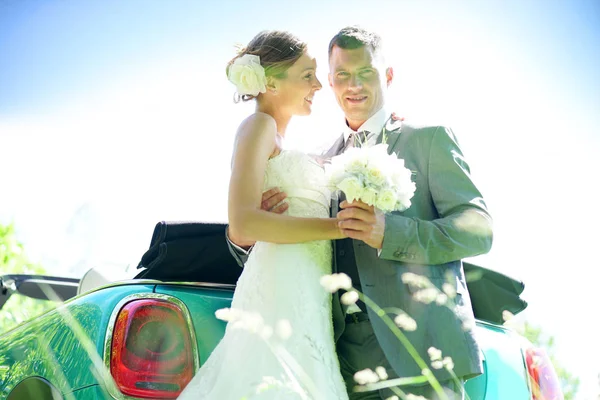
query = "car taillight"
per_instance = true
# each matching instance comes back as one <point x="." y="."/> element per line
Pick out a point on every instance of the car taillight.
<point x="151" y="350"/>
<point x="544" y="381"/>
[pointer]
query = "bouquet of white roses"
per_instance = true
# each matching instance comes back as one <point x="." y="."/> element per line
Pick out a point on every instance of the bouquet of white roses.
<point x="371" y="175"/>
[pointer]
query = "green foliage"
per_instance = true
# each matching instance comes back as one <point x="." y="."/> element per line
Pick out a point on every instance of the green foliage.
<point x="13" y="260"/>
<point x="568" y="382"/>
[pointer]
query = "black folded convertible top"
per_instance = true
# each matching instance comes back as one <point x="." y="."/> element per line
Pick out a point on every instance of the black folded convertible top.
<point x="197" y="251"/>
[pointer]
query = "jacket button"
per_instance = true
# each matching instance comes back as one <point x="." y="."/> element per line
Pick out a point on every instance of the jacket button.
<point x="342" y="253"/>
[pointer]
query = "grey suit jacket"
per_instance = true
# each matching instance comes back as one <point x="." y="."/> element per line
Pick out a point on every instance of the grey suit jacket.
<point x="447" y="221"/>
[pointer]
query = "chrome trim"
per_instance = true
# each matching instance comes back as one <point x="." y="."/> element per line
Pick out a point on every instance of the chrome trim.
<point x="156" y="282"/>
<point x="119" y="283"/>
<point x="113" y="390"/>
<point x="227" y="286"/>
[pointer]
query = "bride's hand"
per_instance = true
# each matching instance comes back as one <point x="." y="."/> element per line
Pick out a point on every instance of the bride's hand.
<point x="361" y="221"/>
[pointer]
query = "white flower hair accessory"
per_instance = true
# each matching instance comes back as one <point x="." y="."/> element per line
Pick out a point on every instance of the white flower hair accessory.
<point x="248" y="75"/>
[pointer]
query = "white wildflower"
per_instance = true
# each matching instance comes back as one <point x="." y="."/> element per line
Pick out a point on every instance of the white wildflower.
<point x="416" y="281"/>
<point x="441" y="299"/>
<point x="437" y="364"/>
<point x="366" y="376"/>
<point x="334" y="282"/>
<point x="283" y="329"/>
<point x="228" y="314"/>
<point x="349" y="298"/>
<point x="434" y="354"/>
<point x="449" y="290"/>
<point x="249" y="321"/>
<point x="411" y="396"/>
<point x="507" y="315"/>
<point x="405" y="322"/>
<point x="381" y="373"/>
<point x="448" y="363"/>
<point x="223" y="314"/>
<point x="426" y="296"/>
<point x="267" y="383"/>
<point x="468" y="325"/>
<point x="266" y="332"/>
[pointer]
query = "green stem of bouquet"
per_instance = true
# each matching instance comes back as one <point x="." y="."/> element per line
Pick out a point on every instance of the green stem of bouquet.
<point x="405" y="342"/>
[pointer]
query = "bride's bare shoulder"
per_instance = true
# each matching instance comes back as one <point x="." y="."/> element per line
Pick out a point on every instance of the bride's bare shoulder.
<point x="258" y="123"/>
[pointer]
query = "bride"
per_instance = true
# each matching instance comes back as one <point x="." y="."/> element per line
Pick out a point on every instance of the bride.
<point x="279" y="340"/>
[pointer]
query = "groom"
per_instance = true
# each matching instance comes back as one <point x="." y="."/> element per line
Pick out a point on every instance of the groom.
<point x="446" y="222"/>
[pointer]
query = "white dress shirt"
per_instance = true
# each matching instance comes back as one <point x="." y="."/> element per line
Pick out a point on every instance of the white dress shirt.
<point x="374" y="125"/>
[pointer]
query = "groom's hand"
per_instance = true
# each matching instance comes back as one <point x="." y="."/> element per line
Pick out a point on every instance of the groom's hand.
<point x="270" y="200"/>
<point x="362" y="222"/>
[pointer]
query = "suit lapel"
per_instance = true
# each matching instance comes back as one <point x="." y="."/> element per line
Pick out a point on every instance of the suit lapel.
<point x="335" y="149"/>
<point x="391" y="131"/>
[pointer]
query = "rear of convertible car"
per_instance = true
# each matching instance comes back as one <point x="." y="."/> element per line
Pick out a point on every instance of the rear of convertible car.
<point x="513" y="368"/>
<point x="145" y="339"/>
<point x="128" y="340"/>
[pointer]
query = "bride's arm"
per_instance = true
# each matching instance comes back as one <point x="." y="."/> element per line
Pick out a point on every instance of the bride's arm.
<point x="254" y="144"/>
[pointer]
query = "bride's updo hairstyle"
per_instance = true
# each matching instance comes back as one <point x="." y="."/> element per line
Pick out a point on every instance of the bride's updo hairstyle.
<point x="277" y="50"/>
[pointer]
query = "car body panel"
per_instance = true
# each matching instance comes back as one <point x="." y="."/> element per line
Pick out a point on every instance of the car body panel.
<point x="506" y="371"/>
<point x="504" y="366"/>
<point x="505" y="374"/>
<point x="37" y="347"/>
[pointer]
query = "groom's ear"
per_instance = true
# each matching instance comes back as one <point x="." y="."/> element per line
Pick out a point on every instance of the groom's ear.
<point x="330" y="79"/>
<point x="272" y="85"/>
<point x="389" y="75"/>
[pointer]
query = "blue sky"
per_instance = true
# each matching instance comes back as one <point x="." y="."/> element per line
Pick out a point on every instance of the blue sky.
<point x="117" y="114"/>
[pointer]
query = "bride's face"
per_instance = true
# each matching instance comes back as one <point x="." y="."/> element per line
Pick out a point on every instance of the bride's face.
<point x="297" y="90"/>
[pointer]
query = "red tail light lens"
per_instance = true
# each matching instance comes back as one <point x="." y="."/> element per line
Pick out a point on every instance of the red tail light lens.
<point x="544" y="381"/>
<point x="151" y="350"/>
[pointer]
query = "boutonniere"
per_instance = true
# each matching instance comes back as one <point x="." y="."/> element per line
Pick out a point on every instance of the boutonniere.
<point x="393" y="123"/>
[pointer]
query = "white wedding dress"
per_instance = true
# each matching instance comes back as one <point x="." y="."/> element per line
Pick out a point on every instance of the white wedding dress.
<point x="260" y="357"/>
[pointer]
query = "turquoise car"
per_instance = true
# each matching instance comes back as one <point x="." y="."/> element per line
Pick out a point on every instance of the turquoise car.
<point x="145" y="338"/>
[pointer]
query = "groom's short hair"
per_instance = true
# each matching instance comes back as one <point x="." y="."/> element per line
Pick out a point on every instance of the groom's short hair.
<point x="354" y="37"/>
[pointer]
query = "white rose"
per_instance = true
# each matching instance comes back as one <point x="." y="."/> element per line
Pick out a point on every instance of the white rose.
<point x="248" y="75"/>
<point x="352" y="188"/>
<point x="375" y="176"/>
<point x="386" y="201"/>
<point x="369" y="196"/>
<point x="403" y="196"/>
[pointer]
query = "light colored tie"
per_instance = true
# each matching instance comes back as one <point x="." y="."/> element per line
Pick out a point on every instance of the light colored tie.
<point x="357" y="139"/>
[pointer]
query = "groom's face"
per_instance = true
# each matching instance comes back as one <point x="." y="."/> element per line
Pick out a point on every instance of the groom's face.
<point x="359" y="81"/>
